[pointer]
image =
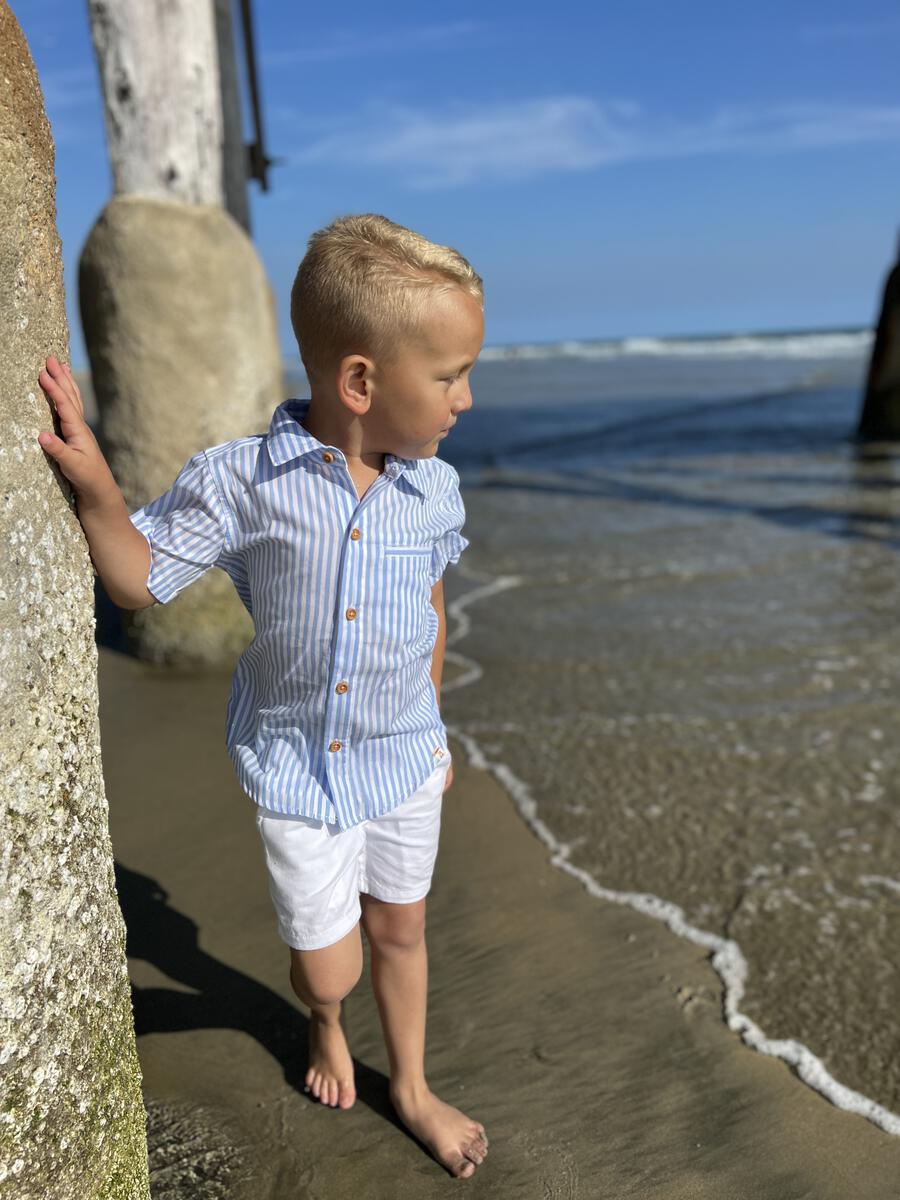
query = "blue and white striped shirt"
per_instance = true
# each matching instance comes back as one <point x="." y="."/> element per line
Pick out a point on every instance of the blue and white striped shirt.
<point x="332" y="712"/>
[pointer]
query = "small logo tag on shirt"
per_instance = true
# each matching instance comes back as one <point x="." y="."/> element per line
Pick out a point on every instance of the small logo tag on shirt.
<point x="439" y="753"/>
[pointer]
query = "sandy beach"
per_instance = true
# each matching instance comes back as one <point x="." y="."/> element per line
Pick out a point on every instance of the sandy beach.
<point x="585" y="1036"/>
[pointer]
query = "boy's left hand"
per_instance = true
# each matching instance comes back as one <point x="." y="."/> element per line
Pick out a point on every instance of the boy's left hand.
<point x="449" y="777"/>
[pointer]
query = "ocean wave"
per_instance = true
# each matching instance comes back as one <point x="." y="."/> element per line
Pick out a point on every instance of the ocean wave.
<point x="820" y="345"/>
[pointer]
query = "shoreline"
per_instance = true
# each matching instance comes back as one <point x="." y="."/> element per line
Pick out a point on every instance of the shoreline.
<point x="587" y="1038"/>
<point x="725" y="954"/>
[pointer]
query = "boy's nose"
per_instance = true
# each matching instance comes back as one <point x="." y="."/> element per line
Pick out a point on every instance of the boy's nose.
<point x="465" y="400"/>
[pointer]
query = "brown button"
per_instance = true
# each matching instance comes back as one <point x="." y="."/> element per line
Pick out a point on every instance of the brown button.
<point x="335" y="746"/>
<point x="328" y="456"/>
<point x="355" y="535"/>
<point x="341" y="688"/>
<point x="351" y="614"/>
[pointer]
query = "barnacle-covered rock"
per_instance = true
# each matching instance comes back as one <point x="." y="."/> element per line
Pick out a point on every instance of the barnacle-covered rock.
<point x="72" y="1122"/>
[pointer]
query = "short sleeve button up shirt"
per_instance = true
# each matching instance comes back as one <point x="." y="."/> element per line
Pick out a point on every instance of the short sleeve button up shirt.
<point x="332" y="712"/>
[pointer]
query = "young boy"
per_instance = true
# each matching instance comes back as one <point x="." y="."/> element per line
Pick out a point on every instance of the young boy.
<point x="335" y="527"/>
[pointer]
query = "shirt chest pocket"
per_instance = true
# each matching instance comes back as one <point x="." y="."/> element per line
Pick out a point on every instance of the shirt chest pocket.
<point x="409" y="565"/>
<point x="401" y="618"/>
<point x="411" y="552"/>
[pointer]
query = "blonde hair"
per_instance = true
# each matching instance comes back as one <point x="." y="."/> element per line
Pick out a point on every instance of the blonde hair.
<point x="363" y="285"/>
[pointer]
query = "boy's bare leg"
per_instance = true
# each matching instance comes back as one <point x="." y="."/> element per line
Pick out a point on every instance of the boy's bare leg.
<point x="396" y="934"/>
<point x="321" y="979"/>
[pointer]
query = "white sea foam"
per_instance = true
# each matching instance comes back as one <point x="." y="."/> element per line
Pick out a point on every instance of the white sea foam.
<point x="821" y="345"/>
<point x="727" y="958"/>
<point x="892" y="884"/>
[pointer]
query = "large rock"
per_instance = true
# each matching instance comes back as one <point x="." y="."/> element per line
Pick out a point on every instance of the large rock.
<point x="180" y="328"/>
<point x="71" y="1114"/>
<point x="880" y="419"/>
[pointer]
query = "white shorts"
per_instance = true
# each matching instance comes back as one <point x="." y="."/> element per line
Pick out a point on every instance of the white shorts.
<point x="317" y="870"/>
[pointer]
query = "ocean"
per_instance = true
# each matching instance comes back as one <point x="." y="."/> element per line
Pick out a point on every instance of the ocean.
<point x="674" y="639"/>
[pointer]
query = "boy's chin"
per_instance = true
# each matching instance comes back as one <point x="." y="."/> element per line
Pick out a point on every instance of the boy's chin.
<point x="429" y="449"/>
<point x="423" y="449"/>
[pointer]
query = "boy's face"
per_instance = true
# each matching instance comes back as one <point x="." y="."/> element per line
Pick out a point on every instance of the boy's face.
<point x="417" y="398"/>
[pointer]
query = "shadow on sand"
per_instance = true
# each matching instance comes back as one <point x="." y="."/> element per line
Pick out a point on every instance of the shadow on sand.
<point x="222" y="997"/>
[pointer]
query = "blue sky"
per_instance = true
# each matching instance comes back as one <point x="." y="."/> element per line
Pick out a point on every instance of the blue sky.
<point x="634" y="167"/>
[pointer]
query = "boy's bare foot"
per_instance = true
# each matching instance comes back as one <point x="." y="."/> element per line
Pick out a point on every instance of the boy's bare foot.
<point x="330" y="1074"/>
<point x="456" y="1141"/>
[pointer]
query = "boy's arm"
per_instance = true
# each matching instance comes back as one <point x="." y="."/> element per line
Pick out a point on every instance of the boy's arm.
<point x="447" y="548"/>
<point x="120" y="553"/>
<point x="437" y="660"/>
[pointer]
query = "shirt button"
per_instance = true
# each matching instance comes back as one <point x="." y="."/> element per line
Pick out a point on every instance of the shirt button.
<point x="355" y="535"/>
<point x="328" y="456"/>
<point x="351" y="614"/>
<point x="341" y="688"/>
<point x="334" y="746"/>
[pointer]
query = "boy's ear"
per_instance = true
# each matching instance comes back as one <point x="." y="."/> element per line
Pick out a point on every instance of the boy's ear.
<point x="354" y="382"/>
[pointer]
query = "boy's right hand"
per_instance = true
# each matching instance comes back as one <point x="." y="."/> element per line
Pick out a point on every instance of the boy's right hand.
<point x="77" y="453"/>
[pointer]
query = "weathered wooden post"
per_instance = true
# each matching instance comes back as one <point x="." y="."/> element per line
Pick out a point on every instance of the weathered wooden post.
<point x="880" y="418"/>
<point x="71" y="1113"/>
<point x="234" y="152"/>
<point x="178" y="315"/>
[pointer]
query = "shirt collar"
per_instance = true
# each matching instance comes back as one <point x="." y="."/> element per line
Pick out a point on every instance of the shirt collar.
<point x="287" y="440"/>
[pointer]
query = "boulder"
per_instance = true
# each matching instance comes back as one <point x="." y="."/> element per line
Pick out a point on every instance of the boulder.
<point x="880" y="418"/>
<point x="72" y="1121"/>
<point x="180" y="328"/>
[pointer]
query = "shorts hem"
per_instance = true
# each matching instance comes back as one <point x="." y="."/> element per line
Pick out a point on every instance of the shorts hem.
<point x="317" y="941"/>
<point x="395" y="899"/>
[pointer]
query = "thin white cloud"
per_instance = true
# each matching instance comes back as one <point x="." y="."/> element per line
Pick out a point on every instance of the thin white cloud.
<point x="73" y="103"/>
<point x="847" y="30"/>
<point x="69" y="87"/>
<point x="460" y="145"/>
<point x="366" y="46"/>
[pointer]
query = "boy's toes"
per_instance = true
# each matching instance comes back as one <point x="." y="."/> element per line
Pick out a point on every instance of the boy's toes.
<point x="330" y="1091"/>
<point x="476" y="1152"/>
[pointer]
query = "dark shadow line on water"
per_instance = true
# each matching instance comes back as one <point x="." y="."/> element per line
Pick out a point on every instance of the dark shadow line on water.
<point x="650" y="424"/>
<point x="844" y="524"/>
<point x="222" y="997"/>
<point x="880" y="483"/>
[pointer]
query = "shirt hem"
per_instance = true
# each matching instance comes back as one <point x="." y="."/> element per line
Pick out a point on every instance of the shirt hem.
<point x="257" y="795"/>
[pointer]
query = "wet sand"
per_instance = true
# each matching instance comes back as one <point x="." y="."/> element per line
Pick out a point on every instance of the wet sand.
<point x="694" y="682"/>
<point x="585" y="1036"/>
